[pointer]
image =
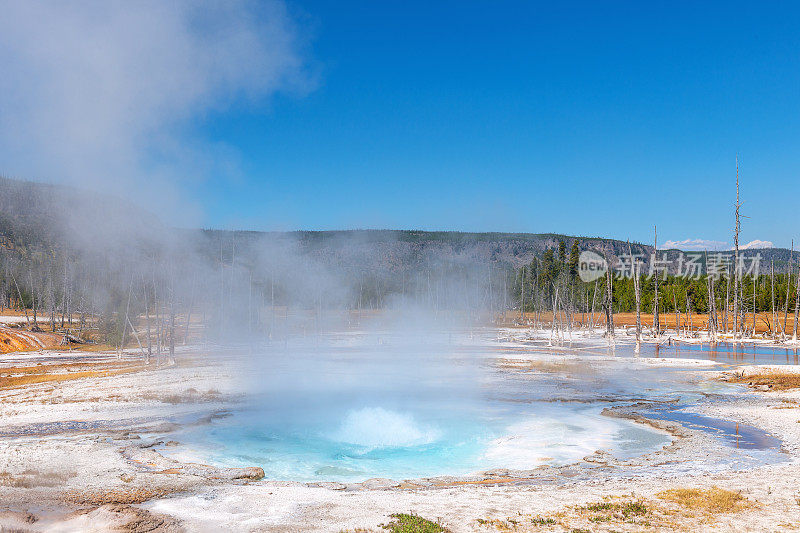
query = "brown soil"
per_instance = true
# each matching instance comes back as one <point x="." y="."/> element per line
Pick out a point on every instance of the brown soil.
<point x="28" y="375"/>
<point x="20" y="340"/>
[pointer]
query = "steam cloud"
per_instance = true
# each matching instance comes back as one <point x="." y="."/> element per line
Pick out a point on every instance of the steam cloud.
<point x="100" y="93"/>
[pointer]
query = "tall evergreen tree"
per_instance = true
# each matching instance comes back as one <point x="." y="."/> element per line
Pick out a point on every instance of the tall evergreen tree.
<point x="572" y="266"/>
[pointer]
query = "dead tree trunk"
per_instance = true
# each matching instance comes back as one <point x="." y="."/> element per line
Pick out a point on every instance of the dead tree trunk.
<point x="654" y="269"/>
<point x="522" y="297"/>
<point x="33" y="298"/>
<point x="637" y="295"/>
<point x="775" y="324"/>
<point x="191" y="304"/>
<point x="677" y="311"/>
<point x="712" y="307"/>
<point x="172" y="316"/>
<point x="755" y="303"/>
<point x="553" y="322"/>
<point x="21" y="301"/>
<point x="125" y="323"/>
<point x="796" y="306"/>
<point x="727" y="299"/>
<point x="147" y="323"/>
<point x="788" y="288"/>
<point x="609" y="305"/>
<point x="736" y="258"/>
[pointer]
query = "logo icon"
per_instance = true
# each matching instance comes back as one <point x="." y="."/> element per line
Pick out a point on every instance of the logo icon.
<point x="591" y="266"/>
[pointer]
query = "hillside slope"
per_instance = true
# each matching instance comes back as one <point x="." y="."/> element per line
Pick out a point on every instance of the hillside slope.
<point x="48" y="217"/>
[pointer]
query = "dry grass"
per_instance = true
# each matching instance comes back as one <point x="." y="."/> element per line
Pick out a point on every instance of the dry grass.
<point x="666" y="319"/>
<point x="33" y="478"/>
<point x="548" y="367"/>
<point x="10" y="480"/>
<point x="713" y="500"/>
<point x="190" y="395"/>
<point x="771" y="380"/>
<point x="680" y="509"/>
<point x="18" y="377"/>
<point x="114" y="496"/>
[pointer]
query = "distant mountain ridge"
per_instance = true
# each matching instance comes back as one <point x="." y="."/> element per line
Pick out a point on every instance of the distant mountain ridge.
<point x="44" y="216"/>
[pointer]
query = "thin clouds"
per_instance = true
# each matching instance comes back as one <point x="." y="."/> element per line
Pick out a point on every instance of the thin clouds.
<point x="104" y="94"/>
<point x="693" y="244"/>
<point x="756" y="244"/>
<point x="704" y="244"/>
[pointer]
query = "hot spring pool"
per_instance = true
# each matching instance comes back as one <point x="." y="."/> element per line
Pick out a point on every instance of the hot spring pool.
<point x="376" y="441"/>
<point x="362" y="442"/>
<point x="352" y="407"/>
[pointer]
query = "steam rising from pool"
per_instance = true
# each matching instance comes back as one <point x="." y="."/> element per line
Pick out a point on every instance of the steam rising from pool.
<point x="403" y="405"/>
<point x="375" y="427"/>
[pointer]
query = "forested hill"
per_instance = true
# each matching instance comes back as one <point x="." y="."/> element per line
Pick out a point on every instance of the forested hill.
<point x="65" y="251"/>
<point x="44" y="217"/>
<point x="49" y="217"/>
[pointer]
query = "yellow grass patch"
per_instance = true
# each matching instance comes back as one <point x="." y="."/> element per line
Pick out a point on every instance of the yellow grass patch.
<point x="774" y="380"/>
<point x="42" y="374"/>
<point x="126" y="496"/>
<point x="713" y="500"/>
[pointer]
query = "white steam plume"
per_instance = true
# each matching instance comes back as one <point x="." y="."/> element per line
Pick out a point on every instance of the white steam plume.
<point x="103" y="94"/>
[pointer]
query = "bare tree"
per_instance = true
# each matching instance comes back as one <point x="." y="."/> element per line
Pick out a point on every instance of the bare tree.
<point x="21" y="301"/>
<point x="788" y="288"/>
<point x="796" y="306"/>
<point x="638" y="296"/>
<point x="736" y="258"/>
<point x="609" y="304"/>
<point x="654" y="269"/>
<point x="775" y="324"/>
<point x="712" y="308"/>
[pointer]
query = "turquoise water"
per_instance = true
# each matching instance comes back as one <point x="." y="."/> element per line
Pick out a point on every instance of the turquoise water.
<point x="368" y="442"/>
<point x="352" y="408"/>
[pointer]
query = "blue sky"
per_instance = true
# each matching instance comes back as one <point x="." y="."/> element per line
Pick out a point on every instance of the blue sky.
<point x="586" y="118"/>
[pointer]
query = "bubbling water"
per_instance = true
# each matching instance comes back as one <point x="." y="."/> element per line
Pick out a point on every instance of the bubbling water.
<point x="380" y="442"/>
<point x="375" y="427"/>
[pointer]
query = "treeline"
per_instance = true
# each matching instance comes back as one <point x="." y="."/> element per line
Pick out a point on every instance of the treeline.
<point x="552" y="282"/>
<point x="163" y="289"/>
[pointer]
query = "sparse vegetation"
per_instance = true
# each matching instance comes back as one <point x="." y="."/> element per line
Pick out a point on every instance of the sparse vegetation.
<point x="34" y="478"/>
<point x="770" y="380"/>
<point x="603" y="506"/>
<point x="20" y="376"/>
<point x="118" y="496"/>
<point x="626" y="509"/>
<point x="9" y="480"/>
<point x="672" y="510"/>
<point x="509" y="524"/>
<point x="713" y="500"/>
<point x="412" y="523"/>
